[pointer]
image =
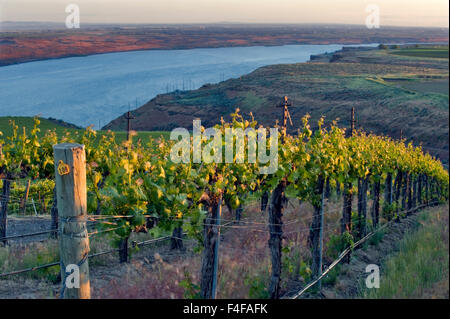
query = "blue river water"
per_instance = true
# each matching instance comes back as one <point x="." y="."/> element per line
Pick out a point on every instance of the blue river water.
<point x="94" y="90"/>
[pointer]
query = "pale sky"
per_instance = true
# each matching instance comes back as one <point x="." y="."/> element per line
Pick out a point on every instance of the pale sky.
<point x="432" y="13"/>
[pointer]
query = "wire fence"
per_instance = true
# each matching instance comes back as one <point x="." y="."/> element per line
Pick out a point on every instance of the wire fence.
<point x="227" y="225"/>
<point x="240" y="224"/>
<point x="346" y="251"/>
<point x="292" y="226"/>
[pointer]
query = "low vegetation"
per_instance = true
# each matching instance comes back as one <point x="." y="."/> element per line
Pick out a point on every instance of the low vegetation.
<point x="424" y="52"/>
<point x="421" y="262"/>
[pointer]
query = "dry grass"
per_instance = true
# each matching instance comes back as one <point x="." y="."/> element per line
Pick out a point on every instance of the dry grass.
<point x="155" y="271"/>
<point x="244" y="268"/>
<point x="420" y="267"/>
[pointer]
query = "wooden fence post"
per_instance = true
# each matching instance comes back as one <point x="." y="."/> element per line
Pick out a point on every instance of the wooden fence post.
<point x="216" y="251"/>
<point x="70" y="181"/>
<point x="54" y="215"/>
<point x="438" y="189"/>
<point x="398" y="187"/>
<point x="409" y="194"/>
<point x="327" y="188"/>
<point x="176" y="242"/>
<point x="419" y="190"/>
<point x="123" y="250"/>
<point x="432" y="190"/>
<point x="276" y="235"/>
<point x="414" y="191"/>
<point x="316" y="231"/>
<point x="405" y="190"/>
<point x="238" y="214"/>
<point x="346" y="223"/>
<point x="362" y="205"/>
<point x="388" y="189"/>
<point x="376" y="202"/>
<point x="264" y="201"/>
<point x="210" y="251"/>
<point x="23" y="203"/>
<point x="4" y="209"/>
<point x="427" y="190"/>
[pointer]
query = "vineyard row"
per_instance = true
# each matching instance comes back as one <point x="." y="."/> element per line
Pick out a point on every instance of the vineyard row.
<point x="138" y="180"/>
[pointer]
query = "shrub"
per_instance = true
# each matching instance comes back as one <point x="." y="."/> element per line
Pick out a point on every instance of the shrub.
<point x="331" y="277"/>
<point x="339" y="243"/>
<point x="258" y="286"/>
<point x="191" y="290"/>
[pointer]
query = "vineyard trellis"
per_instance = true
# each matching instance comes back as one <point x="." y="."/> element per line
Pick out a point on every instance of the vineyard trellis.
<point x="135" y="186"/>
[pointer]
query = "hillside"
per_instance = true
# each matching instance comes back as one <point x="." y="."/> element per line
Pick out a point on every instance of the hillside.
<point x="60" y="127"/>
<point x="391" y="89"/>
<point x="27" y="122"/>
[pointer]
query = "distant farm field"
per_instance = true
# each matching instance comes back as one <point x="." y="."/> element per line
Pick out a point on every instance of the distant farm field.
<point x="439" y="86"/>
<point x="438" y="52"/>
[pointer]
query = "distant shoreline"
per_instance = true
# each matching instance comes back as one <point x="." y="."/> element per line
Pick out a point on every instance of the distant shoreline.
<point x="31" y="46"/>
<point x="138" y="77"/>
<point x="220" y="47"/>
<point x="183" y="49"/>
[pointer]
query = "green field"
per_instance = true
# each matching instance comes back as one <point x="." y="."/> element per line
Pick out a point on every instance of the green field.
<point x="439" y="86"/>
<point x="424" y="52"/>
<point x="46" y="125"/>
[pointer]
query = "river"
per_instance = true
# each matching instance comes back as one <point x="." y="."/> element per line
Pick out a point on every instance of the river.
<point x="96" y="89"/>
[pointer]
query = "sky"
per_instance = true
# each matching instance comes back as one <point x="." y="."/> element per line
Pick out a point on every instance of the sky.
<point x="429" y="13"/>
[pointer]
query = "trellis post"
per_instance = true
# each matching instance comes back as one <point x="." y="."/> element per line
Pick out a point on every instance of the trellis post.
<point x="23" y="203"/>
<point x="70" y="180"/>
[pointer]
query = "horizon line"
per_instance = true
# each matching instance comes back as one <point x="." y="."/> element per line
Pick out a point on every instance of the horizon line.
<point x="224" y="23"/>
